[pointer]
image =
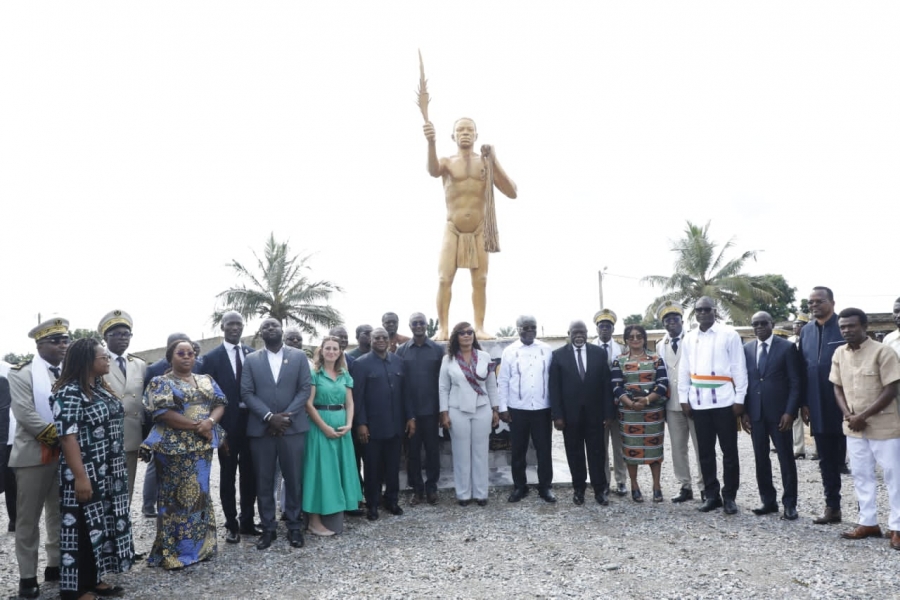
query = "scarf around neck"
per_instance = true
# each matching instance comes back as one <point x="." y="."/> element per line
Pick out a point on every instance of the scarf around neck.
<point x="470" y="372"/>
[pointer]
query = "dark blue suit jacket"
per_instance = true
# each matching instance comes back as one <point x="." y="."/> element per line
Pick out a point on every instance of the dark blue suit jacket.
<point x="777" y="391"/>
<point x="217" y="364"/>
<point x="817" y="346"/>
<point x="378" y="399"/>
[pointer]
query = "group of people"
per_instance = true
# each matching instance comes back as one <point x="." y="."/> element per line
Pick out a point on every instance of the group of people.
<point x="82" y="414"/>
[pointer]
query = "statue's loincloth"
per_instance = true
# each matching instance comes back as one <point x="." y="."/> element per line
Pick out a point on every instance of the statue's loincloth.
<point x="466" y="246"/>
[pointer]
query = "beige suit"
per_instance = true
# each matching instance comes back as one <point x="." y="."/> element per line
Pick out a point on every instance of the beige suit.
<point x="38" y="483"/>
<point x="680" y="426"/>
<point x="129" y="387"/>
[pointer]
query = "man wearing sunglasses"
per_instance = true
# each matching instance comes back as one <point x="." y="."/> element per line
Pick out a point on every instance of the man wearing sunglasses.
<point x="422" y="365"/>
<point x="712" y="383"/>
<point x="35" y="454"/>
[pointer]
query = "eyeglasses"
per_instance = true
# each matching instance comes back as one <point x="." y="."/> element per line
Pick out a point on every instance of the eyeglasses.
<point x="185" y="354"/>
<point x="759" y="323"/>
<point x="417" y="323"/>
<point x="703" y="309"/>
<point x="124" y="335"/>
<point x="467" y="332"/>
<point x="635" y="336"/>
<point x="528" y="327"/>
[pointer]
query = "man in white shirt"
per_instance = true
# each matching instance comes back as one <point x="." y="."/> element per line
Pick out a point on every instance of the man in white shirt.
<point x="525" y="405"/>
<point x="605" y="320"/>
<point x="712" y="383"/>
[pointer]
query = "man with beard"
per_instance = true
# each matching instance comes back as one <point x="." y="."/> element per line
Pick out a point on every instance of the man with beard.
<point x="818" y="342"/>
<point x="275" y="385"/>
<point x="712" y="383"/>
<point x="581" y="406"/>
<point x="225" y="364"/>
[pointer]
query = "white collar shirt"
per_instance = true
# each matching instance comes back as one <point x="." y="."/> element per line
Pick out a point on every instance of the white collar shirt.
<point x="712" y="371"/>
<point x="524" y="375"/>
<point x="229" y="349"/>
<point x="275" y="360"/>
<point x="613" y="351"/>
<point x="584" y="355"/>
<point x="759" y="347"/>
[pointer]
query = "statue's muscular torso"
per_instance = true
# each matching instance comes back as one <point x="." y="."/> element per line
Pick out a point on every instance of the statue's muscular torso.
<point x="464" y="194"/>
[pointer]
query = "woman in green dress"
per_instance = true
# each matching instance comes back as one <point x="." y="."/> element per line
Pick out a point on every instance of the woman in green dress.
<point x="186" y="409"/>
<point x="330" y="477"/>
<point x="640" y="384"/>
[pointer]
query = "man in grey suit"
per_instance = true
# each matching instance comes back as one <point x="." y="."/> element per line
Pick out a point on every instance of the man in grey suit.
<point x="275" y="385"/>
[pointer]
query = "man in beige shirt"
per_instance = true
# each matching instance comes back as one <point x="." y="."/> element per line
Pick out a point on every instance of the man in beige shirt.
<point x="865" y="375"/>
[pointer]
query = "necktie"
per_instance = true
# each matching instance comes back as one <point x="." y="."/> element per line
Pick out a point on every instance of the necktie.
<point x="580" y="365"/>
<point x="675" y="345"/>
<point x="606" y="347"/>
<point x="55" y="371"/>
<point x="763" y="357"/>
<point x="238" y="367"/>
<point x="121" y="362"/>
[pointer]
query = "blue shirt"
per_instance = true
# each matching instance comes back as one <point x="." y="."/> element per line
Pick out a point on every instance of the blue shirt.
<point x="378" y="398"/>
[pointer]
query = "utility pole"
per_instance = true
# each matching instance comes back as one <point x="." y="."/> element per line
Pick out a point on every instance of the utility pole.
<point x="600" y="274"/>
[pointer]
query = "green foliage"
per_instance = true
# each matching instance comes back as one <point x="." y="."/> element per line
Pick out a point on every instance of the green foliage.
<point x="78" y="334"/>
<point x="432" y="327"/>
<point x="507" y="332"/>
<point x="782" y="307"/>
<point x="634" y="319"/>
<point x="647" y="322"/>
<point x="280" y="287"/>
<point x="14" y="359"/>
<point x="701" y="269"/>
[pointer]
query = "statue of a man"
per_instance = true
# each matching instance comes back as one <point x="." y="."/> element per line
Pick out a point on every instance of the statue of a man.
<point x="466" y="178"/>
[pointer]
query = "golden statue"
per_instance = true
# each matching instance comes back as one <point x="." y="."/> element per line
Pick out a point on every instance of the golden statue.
<point x="471" y="233"/>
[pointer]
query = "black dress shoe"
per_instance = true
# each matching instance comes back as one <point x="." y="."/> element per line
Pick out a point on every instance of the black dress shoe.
<point x="578" y="497"/>
<point x="481" y="502"/>
<point x="731" y="507"/>
<point x="602" y="498"/>
<point x="464" y="502"/>
<point x="356" y="512"/>
<point x="711" y="504"/>
<point x="799" y="455"/>
<point x="845" y="470"/>
<point x="547" y="496"/>
<point x="766" y="509"/>
<point x="637" y="496"/>
<point x="112" y="591"/>
<point x="683" y="496"/>
<point x="432" y="498"/>
<point x="395" y="510"/>
<point x="232" y="536"/>
<point x="140" y="555"/>
<point x="29" y="588"/>
<point x="251" y="530"/>
<point x="51" y="574"/>
<point x="372" y="514"/>
<point x="620" y="489"/>
<point x="518" y="494"/>
<point x="295" y="537"/>
<point x="266" y="539"/>
<point x="790" y="513"/>
<point x="11" y="528"/>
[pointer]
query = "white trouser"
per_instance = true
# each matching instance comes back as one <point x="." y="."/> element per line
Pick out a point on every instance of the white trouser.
<point x="799" y="436"/>
<point x="612" y="433"/>
<point x="470" y="440"/>
<point x="864" y="453"/>
<point x="681" y="428"/>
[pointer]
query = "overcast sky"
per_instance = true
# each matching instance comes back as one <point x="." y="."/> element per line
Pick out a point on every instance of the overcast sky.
<point x="143" y="146"/>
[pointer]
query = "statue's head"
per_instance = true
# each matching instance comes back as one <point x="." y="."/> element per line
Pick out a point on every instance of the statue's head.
<point x="464" y="132"/>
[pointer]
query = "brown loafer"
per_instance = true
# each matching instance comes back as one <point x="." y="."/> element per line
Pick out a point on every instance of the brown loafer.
<point x="889" y="533"/>
<point x="861" y="532"/>
<point x="895" y="540"/>
<point x="831" y="516"/>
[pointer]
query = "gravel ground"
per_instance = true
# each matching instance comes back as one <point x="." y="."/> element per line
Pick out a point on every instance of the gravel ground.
<point x="538" y="550"/>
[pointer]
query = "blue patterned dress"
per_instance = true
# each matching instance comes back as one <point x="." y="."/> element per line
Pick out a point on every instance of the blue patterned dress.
<point x="97" y="423"/>
<point x="186" y="524"/>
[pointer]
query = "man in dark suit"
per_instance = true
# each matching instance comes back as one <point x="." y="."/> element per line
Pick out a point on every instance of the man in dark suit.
<point x="225" y="364"/>
<point x="580" y="406"/>
<point x="275" y="385"/>
<point x="770" y="407"/>
<point x="382" y="416"/>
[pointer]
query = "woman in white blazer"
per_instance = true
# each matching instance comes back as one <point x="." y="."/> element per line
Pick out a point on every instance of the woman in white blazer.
<point x="468" y="402"/>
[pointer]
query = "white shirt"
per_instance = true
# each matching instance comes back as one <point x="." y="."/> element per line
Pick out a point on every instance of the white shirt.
<point x="716" y="352"/>
<point x="229" y="348"/>
<point x="524" y="374"/>
<point x="759" y="348"/>
<point x="892" y="340"/>
<point x="275" y="360"/>
<point x="613" y="352"/>
<point x="584" y="355"/>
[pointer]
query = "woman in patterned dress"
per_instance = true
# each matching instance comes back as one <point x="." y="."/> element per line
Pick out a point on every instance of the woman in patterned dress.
<point x="95" y="527"/>
<point x="640" y="385"/>
<point x="186" y="409"/>
<point x="330" y="477"/>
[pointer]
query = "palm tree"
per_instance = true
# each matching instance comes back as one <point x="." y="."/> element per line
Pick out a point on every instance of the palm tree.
<point x="507" y="332"/>
<point x="701" y="270"/>
<point x="280" y="288"/>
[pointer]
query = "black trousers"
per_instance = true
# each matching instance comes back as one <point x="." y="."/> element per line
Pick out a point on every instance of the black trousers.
<point x="426" y="436"/>
<point x="721" y="424"/>
<point x="238" y="458"/>
<point x="536" y="426"/>
<point x="87" y="569"/>
<point x="8" y="475"/>
<point x="382" y="467"/>
<point x="761" y="432"/>
<point x="585" y="437"/>
<point x="360" y="450"/>
<point x="832" y="449"/>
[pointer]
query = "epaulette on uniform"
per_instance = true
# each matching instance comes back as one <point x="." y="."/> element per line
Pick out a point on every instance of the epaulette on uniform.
<point x="132" y="358"/>
<point x="21" y="365"/>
